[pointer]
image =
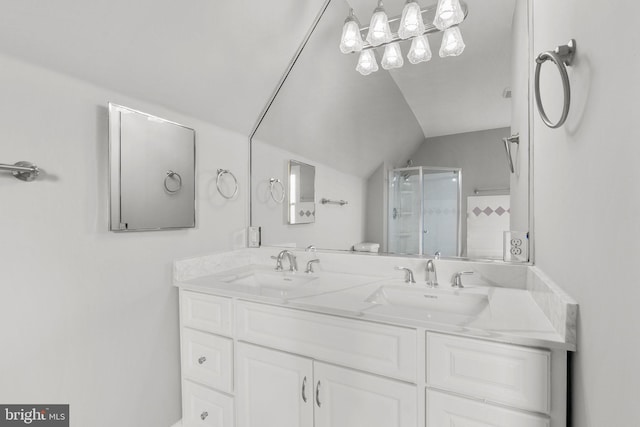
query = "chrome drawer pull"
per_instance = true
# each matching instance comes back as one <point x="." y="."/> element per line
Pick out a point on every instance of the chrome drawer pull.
<point x="318" y="395"/>
<point x="202" y="360"/>
<point x="304" y="390"/>
<point x="204" y="415"/>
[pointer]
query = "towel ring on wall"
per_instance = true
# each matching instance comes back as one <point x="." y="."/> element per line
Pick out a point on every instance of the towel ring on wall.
<point x="272" y="185"/>
<point x="171" y="174"/>
<point x="562" y="56"/>
<point x="222" y="172"/>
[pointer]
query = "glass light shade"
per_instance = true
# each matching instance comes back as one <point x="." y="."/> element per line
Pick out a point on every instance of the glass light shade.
<point x="448" y="14"/>
<point x="411" y="23"/>
<point x="379" y="31"/>
<point x="351" y="40"/>
<point x="392" y="57"/>
<point x="367" y="63"/>
<point x="420" y="50"/>
<point x="452" y="43"/>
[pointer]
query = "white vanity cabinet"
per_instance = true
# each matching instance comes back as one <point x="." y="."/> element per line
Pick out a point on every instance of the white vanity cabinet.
<point x="280" y="389"/>
<point x="252" y="364"/>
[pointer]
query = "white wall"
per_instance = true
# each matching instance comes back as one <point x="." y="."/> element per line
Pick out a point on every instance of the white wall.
<point x="89" y="317"/>
<point x="587" y="199"/>
<point x="336" y="227"/>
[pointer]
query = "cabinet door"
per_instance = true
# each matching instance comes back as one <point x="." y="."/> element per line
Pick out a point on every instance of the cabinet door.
<point x="274" y="389"/>
<point x="346" y="398"/>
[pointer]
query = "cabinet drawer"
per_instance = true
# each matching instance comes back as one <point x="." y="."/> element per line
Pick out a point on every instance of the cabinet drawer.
<point x="501" y="373"/>
<point x="383" y="349"/>
<point x="207" y="359"/>
<point x="206" y="312"/>
<point x="447" y="410"/>
<point x="203" y="407"/>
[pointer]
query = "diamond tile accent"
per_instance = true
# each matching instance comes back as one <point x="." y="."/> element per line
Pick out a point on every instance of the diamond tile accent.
<point x="488" y="211"/>
<point x="301" y="212"/>
<point x="500" y="211"/>
<point x="477" y="211"/>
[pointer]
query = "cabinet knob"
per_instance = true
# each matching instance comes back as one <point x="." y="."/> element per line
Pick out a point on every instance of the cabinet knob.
<point x="204" y="415"/>
<point x="201" y="361"/>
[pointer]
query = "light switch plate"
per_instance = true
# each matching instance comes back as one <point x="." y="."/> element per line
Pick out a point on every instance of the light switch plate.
<point x="254" y="237"/>
<point x="516" y="246"/>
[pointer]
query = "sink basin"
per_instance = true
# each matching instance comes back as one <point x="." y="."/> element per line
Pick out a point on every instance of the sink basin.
<point x="268" y="279"/>
<point x="466" y="302"/>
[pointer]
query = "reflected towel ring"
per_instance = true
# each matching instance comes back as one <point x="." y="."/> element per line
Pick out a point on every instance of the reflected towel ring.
<point x="222" y="172"/>
<point x="171" y="174"/>
<point x="272" y="184"/>
<point x="562" y="56"/>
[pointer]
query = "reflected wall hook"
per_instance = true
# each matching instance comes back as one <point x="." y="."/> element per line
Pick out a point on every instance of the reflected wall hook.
<point x="513" y="139"/>
<point x="562" y="56"/>
<point x="24" y="171"/>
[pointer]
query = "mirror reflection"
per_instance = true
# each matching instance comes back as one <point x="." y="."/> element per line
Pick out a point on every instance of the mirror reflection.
<point x="302" y="209"/>
<point x="417" y="152"/>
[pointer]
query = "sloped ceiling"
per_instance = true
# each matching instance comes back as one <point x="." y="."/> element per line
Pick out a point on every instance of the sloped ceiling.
<point x="215" y="60"/>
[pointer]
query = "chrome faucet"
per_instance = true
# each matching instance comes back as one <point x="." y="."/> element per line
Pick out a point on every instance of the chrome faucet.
<point x="431" y="268"/>
<point x="293" y="265"/>
<point x="310" y="263"/>
<point x="408" y="274"/>
<point x="456" y="279"/>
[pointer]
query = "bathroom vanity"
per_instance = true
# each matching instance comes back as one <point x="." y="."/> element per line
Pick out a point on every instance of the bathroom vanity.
<point x="342" y="348"/>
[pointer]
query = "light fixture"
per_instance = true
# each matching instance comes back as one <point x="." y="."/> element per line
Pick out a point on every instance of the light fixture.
<point x="351" y="40"/>
<point x="414" y="24"/>
<point x="420" y="50"/>
<point x="392" y="57"/>
<point x="379" y="31"/>
<point x="452" y="43"/>
<point x="448" y="14"/>
<point x="411" y="23"/>
<point x="367" y="63"/>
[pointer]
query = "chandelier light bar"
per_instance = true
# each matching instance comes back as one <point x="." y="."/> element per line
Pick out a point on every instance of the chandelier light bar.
<point x="414" y="24"/>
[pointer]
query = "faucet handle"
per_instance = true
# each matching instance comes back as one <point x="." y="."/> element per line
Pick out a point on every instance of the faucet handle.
<point x="408" y="274"/>
<point x="456" y="279"/>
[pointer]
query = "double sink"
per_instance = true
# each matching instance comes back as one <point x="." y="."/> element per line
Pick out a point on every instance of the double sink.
<point x="355" y="294"/>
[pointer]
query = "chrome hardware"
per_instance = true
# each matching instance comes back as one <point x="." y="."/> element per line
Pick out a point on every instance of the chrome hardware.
<point x="204" y="415"/>
<point x="171" y="174"/>
<point x="437" y="255"/>
<point x="431" y="268"/>
<point x="333" y="202"/>
<point x="310" y="263"/>
<point x="456" y="279"/>
<point x="202" y="360"/>
<point x="24" y="171"/>
<point x="310" y="248"/>
<point x="293" y="265"/>
<point x="272" y="187"/>
<point x="513" y="139"/>
<point x="221" y="173"/>
<point x="318" y="395"/>
<point x="562" y="56"/>
<point x="408" y="274"/>
<point x="304" y="390"/>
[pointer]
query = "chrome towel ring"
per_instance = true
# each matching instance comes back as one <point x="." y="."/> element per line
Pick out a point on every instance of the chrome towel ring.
<point x="174" y="176"/>
<point x="221" y="173"/>
<point x="273" y="182"/>
<point x="562" y="56"/>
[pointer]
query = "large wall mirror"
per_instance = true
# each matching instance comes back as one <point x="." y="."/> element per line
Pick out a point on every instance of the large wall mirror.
<point x="417" y="153"/>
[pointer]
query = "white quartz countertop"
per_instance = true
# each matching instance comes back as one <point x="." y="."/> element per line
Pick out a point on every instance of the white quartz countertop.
<point x="489" y="312"/>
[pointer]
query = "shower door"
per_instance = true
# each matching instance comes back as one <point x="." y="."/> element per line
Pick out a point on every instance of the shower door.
<point x="406" y="211"/>
<point x="424" y="211"/>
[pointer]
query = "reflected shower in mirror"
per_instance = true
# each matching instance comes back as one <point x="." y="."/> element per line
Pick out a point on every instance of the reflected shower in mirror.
<point x="439" y="123"/>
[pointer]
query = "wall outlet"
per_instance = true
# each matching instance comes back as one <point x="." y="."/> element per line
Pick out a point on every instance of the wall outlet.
<point x="254" y="237"/>
<point x="516" y="246"/>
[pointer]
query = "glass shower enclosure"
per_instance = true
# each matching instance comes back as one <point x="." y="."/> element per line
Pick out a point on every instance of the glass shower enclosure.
<point x="424" y="211"/>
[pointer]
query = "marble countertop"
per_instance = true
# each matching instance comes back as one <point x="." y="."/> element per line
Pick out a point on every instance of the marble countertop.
<point x="501" y="314"/>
